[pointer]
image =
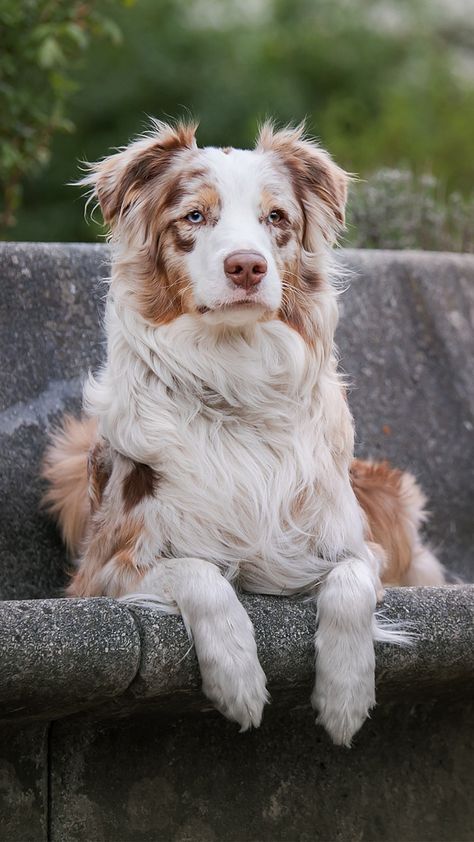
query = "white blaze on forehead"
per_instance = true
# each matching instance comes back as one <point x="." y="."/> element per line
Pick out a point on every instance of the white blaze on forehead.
<point x="236" y="172"/>
<point x="242" y="178"/>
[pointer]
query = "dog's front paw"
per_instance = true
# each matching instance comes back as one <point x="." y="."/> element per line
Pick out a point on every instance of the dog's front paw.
<point x="343" y="697"/>
<point x="237" y="687"/>
<point x="232" y="677"/>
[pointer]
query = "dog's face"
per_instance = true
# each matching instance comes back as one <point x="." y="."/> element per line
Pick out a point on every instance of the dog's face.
<point x="237" y="232"/>
<point x="230" y="235"/>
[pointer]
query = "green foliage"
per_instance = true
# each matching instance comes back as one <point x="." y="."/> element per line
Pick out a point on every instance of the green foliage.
<point x="396" y="210"/>
<point x="379" y="93"/>
<point x="40" y="44"/>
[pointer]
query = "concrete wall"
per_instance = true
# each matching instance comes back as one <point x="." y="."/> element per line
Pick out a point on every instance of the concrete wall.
<point x="104" y="734"/>
<point x="408" y="779"/>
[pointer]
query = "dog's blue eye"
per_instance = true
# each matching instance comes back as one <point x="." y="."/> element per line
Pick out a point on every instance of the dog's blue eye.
<point x="274" y="217"/>
<point x="195" y="217"/>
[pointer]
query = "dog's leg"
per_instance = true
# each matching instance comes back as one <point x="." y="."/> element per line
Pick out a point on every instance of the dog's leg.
<point x="344" y="690"/>
<point x="220" y="628"/>
<point x="346" y="594"/>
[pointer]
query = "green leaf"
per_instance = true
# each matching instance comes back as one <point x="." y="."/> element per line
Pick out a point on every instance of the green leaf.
<point x="50" y="53"/>
<point x="109" y="28"/>
<point x="77" y="34"/>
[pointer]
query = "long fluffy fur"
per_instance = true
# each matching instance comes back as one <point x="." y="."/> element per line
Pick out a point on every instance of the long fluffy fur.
<point x="219" y="444"/>
<point x="65" y="469"/>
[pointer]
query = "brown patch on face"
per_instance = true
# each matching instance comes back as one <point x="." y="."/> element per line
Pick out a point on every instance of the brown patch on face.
<point x="175" y="194"/>
<point x="164" y="291"/>
<point x="285" y="229"/>
<point x="283" y="236"/>
<point x="209" y="200"/>
<point x="182" y="242"/>
<point x="379" y="491"/>
<point x="297" y="315"/>
<point x="300" y="283"/>
<point x="164" y="288"/>
<point x="177" y="189"/>
<point x="141" y="482"/>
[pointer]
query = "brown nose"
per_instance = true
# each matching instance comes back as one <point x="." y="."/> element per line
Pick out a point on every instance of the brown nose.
<point x="245" y="268"/>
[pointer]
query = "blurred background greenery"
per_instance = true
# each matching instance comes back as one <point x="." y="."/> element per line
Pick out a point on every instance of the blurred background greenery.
<point x="388" y="87"/>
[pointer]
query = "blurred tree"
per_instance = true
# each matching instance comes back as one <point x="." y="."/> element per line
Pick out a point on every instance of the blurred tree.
<point x="381" y="84"/>
<point x="40" y="43"/>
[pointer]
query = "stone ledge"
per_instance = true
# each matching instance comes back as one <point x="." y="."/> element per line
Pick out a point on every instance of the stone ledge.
<point x="61" y="656"/>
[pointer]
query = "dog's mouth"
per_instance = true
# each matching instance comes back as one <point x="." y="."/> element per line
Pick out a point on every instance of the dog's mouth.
<point x="228" y="306"/>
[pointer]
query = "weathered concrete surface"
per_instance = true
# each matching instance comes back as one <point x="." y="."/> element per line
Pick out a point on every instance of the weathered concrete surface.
<point x="406" y="338"/>
<point x="24" y="782"/>
<point x="406" y="342"/>
<point x="404" y="779"/>
<point x="49" y="337"/>
<point x="58" y="657"/>
<point x="439" y="663"/>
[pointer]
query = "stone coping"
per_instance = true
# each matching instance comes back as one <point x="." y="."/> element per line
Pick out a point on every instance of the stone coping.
<point x="64" y="656"/>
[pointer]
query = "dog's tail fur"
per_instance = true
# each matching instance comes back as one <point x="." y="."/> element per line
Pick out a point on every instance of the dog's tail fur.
<point x="394" y="506"/>
<point x="65" y="468"/>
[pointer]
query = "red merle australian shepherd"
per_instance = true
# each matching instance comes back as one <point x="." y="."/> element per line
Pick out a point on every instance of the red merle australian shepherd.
<point x="216" y="449"/>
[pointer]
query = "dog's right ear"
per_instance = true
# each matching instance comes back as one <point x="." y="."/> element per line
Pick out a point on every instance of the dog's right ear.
<point x="117" y="179"/>
<point x="320" y="185"/>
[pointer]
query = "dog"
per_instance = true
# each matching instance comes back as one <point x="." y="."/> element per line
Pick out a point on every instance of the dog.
<point x="216" y="449"/>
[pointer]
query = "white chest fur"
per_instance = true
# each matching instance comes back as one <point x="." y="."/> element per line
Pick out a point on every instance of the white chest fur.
<point x="251" y="438"/>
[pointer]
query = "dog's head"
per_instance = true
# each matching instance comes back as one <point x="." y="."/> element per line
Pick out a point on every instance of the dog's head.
<point x="230" y="235"/>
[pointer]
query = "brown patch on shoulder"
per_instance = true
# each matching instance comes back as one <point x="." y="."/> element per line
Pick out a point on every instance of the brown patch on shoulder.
<point x="226" y="149"/>
<point x="139" y="483"/>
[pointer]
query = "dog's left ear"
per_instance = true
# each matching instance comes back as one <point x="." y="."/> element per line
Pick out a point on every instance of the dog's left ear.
<point x="320" y="184"/>
<point x="117" y="180"/>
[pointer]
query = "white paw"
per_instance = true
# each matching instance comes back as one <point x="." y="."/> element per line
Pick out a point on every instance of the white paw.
<point x="344" y="693"/>
<point x="232" y="677"/>
<point x="237" y="687"/>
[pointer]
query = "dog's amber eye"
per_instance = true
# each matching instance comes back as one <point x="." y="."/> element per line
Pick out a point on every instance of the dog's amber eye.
<point x="274" y="217"/>
<point x="195" y="217"/>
